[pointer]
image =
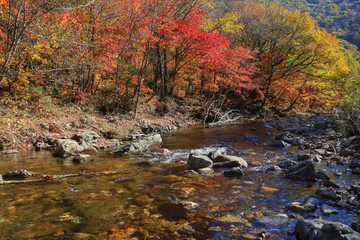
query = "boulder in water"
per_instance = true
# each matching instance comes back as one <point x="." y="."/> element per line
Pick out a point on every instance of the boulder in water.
<point x="65" y="147"/>
<point x="197" y="161"/>
<point x="304" y="170"/>
<point x="227" y="158"/>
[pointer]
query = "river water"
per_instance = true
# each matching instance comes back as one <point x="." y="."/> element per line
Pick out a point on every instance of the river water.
<point x="151" y="197"/>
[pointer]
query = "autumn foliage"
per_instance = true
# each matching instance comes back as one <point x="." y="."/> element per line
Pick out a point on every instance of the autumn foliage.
<point x="117" y="54"/>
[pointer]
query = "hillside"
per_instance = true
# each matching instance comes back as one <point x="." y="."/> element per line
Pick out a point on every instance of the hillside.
<point x="337" y="17"/>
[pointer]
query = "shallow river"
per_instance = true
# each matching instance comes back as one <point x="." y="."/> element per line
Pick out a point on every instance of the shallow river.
<point x="150" y="197"/>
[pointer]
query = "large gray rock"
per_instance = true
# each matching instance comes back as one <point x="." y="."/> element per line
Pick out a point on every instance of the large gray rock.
<point x="86" y="138"/>
<point x="145" y="143"/>
<point x="65" y="147"/>
<point x="228" y="158"/>
<point x="317" y="229"/>
<point x="197" y="161"/>
<point x="304" y="170"/>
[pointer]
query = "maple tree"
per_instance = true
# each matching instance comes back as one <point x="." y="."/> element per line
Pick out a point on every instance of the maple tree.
<point x="118" y="54"/>
<point x="291" y="52"/>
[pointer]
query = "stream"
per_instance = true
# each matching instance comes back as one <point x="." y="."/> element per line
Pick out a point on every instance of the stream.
<point x="150" y="196"/>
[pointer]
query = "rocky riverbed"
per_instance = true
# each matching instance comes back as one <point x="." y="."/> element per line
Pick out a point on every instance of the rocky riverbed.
<point x="295" y="178"/>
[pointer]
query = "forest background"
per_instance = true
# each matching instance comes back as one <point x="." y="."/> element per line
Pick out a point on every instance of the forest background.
<point x="129" y="56"/>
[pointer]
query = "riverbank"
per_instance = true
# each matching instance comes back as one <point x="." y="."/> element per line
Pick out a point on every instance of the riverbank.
<point x="21" y="128"/>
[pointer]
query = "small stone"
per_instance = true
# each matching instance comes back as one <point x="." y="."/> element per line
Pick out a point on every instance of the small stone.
<point x="279" y="144"/>
<point x="328" y="193"/>
<point x="269" y="189"/>
<point x="189" y="205"/>
<point x="328" y="210"/>
<point x="235" y="172"/>
<point x="301" y="207"/>
<point x="267" y="126"/>
<point x="206" y="171"/>
<point x="79" y="159"/>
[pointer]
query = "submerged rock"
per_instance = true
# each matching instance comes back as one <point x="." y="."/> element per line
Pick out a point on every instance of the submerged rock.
<point x="197" y="161"/>
<point x="317" y="229"/>
<point x="229" y="164"/>
<point x="251" y="137"/>
<point x="279" y="144"/>
<point x="90" y="150"/>
<point x="227" y="158"/>
<point x="234" y="172"/>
